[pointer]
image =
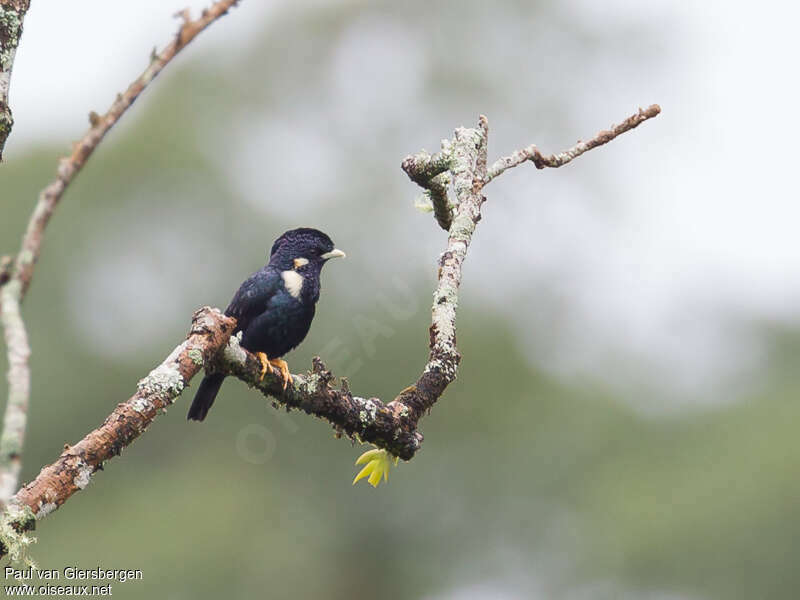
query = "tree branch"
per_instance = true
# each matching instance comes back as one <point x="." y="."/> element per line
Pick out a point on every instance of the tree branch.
<point x="430" y="173"/>
<point x="73" y="470"/>
<point x="12" y="15"/>
<point x="392" y="426"/>
<point x="71" y="165"/>
<point x="19" y="381"/>
<point x="532" y="153"/>
<point x="15" y="282"/>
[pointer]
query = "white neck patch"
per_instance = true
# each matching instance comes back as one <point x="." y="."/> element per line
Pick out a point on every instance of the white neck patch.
<point x="293" y="281"/>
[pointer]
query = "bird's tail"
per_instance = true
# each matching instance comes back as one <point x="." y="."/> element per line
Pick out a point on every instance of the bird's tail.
<point x="204" y="398"/>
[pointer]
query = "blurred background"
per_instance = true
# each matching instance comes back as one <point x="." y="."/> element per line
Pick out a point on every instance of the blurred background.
<point x="638" y="307"/>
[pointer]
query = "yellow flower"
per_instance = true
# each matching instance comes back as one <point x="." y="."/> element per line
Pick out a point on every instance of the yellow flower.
<point x="378" y="462"/>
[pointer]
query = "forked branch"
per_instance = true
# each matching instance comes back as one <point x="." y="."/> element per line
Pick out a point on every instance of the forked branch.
<point x="392" y="426"/>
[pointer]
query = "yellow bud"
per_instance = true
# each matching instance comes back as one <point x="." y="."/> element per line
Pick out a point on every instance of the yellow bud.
<point x="368" y="456"/>
<point x="363" y="473"/>
<point x="377" y="464"/>
<point x="375" y="477"/>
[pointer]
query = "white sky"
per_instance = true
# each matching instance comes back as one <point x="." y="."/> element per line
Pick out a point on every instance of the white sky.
<point x="67" y="66"/>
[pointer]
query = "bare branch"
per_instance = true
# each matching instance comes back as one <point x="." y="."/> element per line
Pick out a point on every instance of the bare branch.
<point x="557" y="160"/>
<point x="12" y="15"/>
<point x="15" y="282"/>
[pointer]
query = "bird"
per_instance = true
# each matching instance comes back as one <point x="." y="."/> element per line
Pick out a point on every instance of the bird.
<point x="274" y="307"/>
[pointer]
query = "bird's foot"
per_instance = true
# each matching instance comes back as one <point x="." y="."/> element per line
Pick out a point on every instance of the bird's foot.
<point x="283" y="367"/>
<point x="264" y="360"/>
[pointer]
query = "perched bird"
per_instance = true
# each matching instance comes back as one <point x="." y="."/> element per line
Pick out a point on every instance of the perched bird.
<point x="274" y="307"/>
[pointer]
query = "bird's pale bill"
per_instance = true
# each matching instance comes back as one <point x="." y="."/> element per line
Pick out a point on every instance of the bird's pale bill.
<point x="335" y="253"/>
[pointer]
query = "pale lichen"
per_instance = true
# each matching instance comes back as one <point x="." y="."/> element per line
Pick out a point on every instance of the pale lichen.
<point x="10" y="442"/>
<point x="45" y="508"/>
<point x="310" y="385"/>
<point x="84" y="475"/>
<point x="462" y="228"/>
<point x="26" y="257"/>
<point x="140" y="404"/>
<point x="14" y="523"/>
<point x="368" y="413"/>
<point x="10" y="31"/>
<point x="196" y="356"/>
<point x="233" y="352"/>
<point x="165" y="381"/>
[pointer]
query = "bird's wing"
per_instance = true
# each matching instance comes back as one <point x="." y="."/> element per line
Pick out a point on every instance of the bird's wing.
<point x="252" y="297"/>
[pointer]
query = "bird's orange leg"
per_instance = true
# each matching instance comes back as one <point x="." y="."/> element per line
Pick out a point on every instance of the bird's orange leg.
<point x="264" y="360"/>
<point x="283" y="366"/>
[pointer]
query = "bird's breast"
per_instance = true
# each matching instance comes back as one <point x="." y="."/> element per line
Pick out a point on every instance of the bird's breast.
<point x="280" y="328"/>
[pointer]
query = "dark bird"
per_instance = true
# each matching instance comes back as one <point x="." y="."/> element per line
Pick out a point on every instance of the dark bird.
<point x="274" y="307"/>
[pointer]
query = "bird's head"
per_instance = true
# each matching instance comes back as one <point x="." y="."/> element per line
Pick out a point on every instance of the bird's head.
<point x="303" y="249"/>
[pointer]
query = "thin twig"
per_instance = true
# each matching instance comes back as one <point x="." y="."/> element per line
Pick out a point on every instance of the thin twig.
<point x="16" y="285"/>
<point x="71" y="165"/>
<point x="532" y="154"/>
<point x="12" y="15"/>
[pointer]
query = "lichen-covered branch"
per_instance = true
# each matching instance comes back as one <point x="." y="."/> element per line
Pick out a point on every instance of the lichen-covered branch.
<point x="15" y="418"/>
<point x="431" y="173"/>
<point x="531" y="153"/>
<point x="466" y="157"/>
<point x="12" y="15"/>
<point x="15" y="281"/>
<point x="73" y="470"/>
<point x="392" y="426"/>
